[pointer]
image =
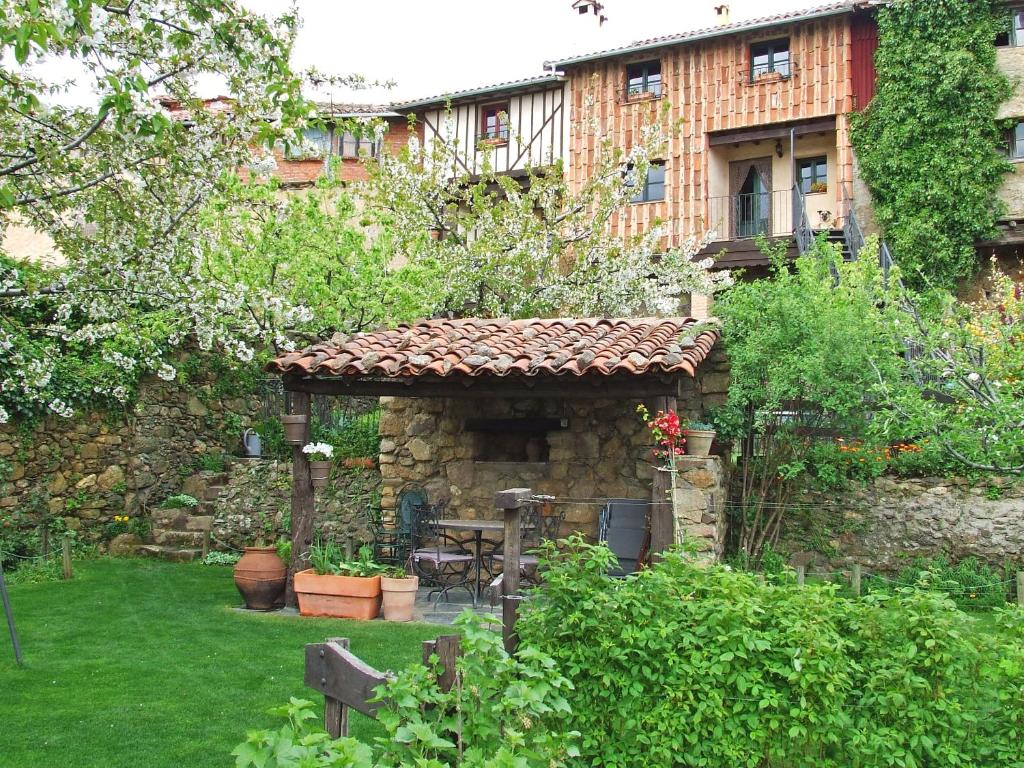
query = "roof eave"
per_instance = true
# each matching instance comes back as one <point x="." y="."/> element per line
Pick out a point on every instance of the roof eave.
<point x="472" y="93"/>
<point x="705" y="35"/>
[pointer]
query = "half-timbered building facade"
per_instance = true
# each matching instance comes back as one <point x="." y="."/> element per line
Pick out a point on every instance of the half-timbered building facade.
<point x="508" y="127"/>
<point x="757" y="119"/>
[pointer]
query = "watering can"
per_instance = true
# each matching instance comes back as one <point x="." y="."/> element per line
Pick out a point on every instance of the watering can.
<point x="252" y="443"/>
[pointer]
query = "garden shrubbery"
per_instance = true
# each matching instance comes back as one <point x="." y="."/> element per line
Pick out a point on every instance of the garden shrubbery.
<point x="688" y="664"/>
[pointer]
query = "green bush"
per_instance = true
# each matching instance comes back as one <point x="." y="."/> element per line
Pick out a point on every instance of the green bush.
<point x="970" y="583"/>
<point x="503" y="712"/>
<point x="355" y="437"/>
<point x="686" y="664"/>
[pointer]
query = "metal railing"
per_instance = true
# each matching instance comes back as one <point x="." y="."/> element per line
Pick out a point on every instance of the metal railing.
<point x="735" y="217"/>
<point x="641" y="92"/>
<point x="802" y="230"/>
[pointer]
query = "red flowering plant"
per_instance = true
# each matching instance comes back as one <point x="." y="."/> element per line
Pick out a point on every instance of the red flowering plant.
<point x="667" y="432"/>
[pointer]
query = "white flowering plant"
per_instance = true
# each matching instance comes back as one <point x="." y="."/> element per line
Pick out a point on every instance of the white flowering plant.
<point x="318" y="451"/>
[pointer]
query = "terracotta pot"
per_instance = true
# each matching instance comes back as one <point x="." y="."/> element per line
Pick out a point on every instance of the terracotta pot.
<point x="260" y="577"/>
<point x="294" y="428"/>
<point x="698" y="442"/>
<point x="399" y="596"/>
<point x="319" y="473"/>
<point x="341" y="597"/>
<point x="364" y="462"/>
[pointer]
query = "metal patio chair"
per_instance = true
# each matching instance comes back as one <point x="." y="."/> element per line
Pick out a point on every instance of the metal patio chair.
<point x="623" y="526"/>
<point x="441" y="561"/>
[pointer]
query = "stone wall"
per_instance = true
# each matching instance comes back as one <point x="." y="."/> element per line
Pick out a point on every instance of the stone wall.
<point x="890" y="519"/>
<point x="96" y="466"/>
<point x="603" y="451"/>
<point x="260" y="489"/>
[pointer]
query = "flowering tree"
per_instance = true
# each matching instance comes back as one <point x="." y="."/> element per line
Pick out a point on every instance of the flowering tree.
<point x="117" y="185"/>
<point x="964" y="377"/>
<point x="531" y="246"/>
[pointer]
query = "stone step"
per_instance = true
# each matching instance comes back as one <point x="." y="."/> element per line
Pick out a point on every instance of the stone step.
<point x="172" y="554"/>
<point x="166" y="537"/>
<point x="212" y="492"/>
<point x="169" y="519"/>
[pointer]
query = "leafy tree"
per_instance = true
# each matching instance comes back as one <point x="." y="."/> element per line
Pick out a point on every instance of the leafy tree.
<point x="117" y="185"/>
<point x="929" y="144"/>
<point x="533" y="246"/>
<point x="804" y="347"/>
<point x="963" y="384"/>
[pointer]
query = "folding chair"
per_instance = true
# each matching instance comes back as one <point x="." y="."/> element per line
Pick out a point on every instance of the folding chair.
<point x="623" y="526"/>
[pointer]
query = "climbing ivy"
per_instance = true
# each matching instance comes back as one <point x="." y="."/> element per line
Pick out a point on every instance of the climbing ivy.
<point x="930" y="144"/>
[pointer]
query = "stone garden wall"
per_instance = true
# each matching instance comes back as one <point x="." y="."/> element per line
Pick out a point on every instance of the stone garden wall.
<point x="96" y="466"/>
<point x="883" y="523"/>
<point x="258" y="492"/>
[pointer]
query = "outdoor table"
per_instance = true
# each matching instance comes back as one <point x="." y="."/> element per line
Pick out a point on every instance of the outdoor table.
<point x="477" y="527"/>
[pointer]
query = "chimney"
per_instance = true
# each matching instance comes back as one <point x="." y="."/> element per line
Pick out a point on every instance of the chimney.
<point x="722" y="12"/>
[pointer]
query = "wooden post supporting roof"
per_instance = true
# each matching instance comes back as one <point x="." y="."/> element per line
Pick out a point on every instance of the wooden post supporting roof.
<point x="511" y="502"/>
<point x="302" y="500"/>
<point x="662" y="536"/>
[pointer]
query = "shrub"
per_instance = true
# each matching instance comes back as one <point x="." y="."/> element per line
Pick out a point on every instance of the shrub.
<point x="699" y="665"/>
<point x="124" y="524"/>
<point x="503" y="712"/>
<point x="221" y="558"/>
<point x="969" y="583"/>
<point x="179" y="500"/>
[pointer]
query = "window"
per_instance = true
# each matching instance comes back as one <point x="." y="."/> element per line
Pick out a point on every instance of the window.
<point x="353" y="145"/>
<point x="494" y="123"/>
<point x="643" y="78"/>
<point x="772" y="56"/>
<point x="1015" y="142"/>
<point x="654" y="185"/>
<point x="1015" y="36"/>
<point x="316" y="142"/>
<point x="813" y="175"/>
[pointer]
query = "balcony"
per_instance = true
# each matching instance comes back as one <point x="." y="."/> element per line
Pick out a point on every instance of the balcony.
<point x="737" y="217"/>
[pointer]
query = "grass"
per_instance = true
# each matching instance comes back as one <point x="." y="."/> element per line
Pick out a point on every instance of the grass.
<point x="143" y="663"/>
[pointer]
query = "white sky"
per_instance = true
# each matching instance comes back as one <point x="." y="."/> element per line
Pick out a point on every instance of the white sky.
<point x="434" y="47"/>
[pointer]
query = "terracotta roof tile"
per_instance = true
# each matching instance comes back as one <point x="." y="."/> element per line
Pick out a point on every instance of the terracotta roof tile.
<point x="473" y="347"/>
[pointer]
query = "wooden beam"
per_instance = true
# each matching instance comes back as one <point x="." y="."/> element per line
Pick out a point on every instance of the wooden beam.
<point x="510" y="502"/>
<point x="339" y="674"/>
<point x="662" y="528"/>
<point x="777" y="131"/>
<point x="302" y="501"/>
<point x="572" y="388"/>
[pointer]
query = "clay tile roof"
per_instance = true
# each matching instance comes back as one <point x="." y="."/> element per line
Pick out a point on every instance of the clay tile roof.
<point x="475" y="347"/>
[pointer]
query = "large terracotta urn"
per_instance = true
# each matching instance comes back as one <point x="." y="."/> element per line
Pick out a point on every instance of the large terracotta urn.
<point x="260" y="577"/>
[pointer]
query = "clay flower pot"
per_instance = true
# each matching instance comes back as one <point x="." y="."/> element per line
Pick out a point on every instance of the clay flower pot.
<point x="319" y="473"/>
<point x="399" y="596"/>
<point x="260" y="577"/>
<point x="294" y="428"/>
<point x="341" y="597"/>
<point x="698" y="442"/>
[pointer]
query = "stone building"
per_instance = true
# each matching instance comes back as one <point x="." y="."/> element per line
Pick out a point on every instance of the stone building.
<point x="472" y="407"/>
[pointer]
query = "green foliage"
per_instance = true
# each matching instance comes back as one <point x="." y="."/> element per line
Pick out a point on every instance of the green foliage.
<point x="503" y="712"/>
<point x="354" y="437"/>
<point x="121" y="524"/>
<point x="970" y="583"/>
<point x="284" y="549"/>
<point x="327" y="558"/>
<point x="929" y="145"/>
<point x="212" y="462"/>
<point x="179" y="500"/>
<point x="803" y="349"/>
<point x="221" y="558"/>
<point x="692" y="664"/>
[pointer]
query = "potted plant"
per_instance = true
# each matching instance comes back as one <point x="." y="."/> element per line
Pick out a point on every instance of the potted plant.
<point x="260" y="574"/>
<point x="818" y="187"/>
<point x="699" y="436"/>
<point x="294" y="428"/>
<point x="319" y="455"/>
<point x="398" y="591"/>
<point x="339" y="588"/>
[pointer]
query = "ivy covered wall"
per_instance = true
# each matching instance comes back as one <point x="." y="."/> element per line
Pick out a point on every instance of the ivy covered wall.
<point x="930" y="145"/>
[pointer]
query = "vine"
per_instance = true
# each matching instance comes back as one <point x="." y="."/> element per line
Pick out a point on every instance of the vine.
<point x="930" y="144"/>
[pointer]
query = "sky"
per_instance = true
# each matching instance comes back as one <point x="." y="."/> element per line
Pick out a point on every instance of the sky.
<point x="432" y="48"/>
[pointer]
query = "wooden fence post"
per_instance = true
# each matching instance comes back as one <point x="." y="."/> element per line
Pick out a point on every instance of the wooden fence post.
<point x="9" y="614"/>
<point x="801" y="575"/>
<point x="510" y="502"/>
<point x="855" y="580"/>
<point x="662" y="513"/>
<point x="207" y="535"/>
<point x="447" y="648"/>
<point x="65" y="551"/>
<point x="1020" y="588"/>
<point x="335" y="711"/>
<point x="302" y="500"/>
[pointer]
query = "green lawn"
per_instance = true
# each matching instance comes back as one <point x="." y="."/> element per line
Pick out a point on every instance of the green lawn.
<point x="140" y="663"/>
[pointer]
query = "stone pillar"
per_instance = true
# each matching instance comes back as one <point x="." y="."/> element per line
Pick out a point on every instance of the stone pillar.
<point x="698" y="503"/>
